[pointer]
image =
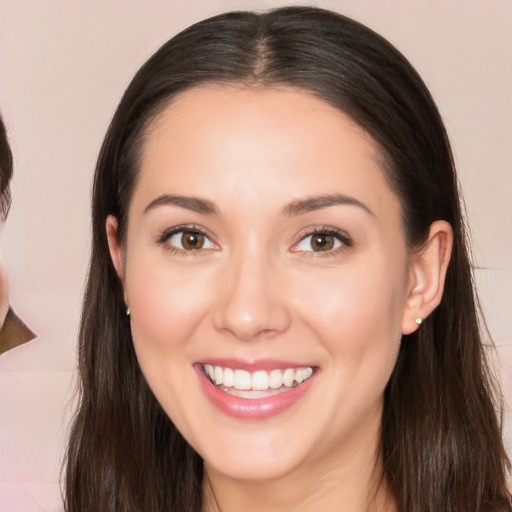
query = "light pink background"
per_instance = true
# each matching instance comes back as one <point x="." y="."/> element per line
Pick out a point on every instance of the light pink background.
<point x="63" y="68"/>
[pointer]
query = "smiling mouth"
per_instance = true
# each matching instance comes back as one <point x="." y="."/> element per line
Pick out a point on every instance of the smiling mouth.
<point x="258" y="384"/>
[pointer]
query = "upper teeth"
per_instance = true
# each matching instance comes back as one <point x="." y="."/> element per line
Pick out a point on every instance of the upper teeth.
<point x="259" y="380"/>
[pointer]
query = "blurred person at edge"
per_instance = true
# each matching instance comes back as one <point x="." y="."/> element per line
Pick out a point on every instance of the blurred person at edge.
<point x="34" y="397"/>
<point x="13" y="331"/>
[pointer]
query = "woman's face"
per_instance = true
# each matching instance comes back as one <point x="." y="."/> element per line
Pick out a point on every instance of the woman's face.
<point x="264" y="246"/>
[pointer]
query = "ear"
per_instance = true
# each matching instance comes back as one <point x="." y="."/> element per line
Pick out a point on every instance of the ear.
<point x="115" y="247"/>
<point x="427" y="273"/>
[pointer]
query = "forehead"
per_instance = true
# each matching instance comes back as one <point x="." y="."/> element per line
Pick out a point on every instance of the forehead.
<point x="246" y="106"/>
<point x="279" y="142"/>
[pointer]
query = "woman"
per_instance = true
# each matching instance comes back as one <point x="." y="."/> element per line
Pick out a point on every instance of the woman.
<point x="279" y="313"/>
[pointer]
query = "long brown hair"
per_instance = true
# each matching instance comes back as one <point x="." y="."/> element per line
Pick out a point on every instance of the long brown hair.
<point x="441" y="441"/>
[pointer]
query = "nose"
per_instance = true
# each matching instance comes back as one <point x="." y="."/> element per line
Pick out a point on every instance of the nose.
<point x="251" y="303"/>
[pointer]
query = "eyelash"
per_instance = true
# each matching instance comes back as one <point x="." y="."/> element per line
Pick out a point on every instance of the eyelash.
<point x="341" y="236"/>
<point x="164" y="238"/>
<point x="346" y="242"/>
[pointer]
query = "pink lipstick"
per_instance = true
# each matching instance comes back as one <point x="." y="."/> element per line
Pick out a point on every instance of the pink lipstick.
<point x="254" y="391"/>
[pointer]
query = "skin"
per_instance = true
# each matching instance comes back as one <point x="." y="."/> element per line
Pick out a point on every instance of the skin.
<point x="4" y="293"/>
<point x="259" y="289"/>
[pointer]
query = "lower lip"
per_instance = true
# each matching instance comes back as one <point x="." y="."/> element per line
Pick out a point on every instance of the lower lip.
<point x="252" y="409"/>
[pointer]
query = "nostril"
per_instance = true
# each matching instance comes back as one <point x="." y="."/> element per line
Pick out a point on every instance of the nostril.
<point x="257" y="325"/>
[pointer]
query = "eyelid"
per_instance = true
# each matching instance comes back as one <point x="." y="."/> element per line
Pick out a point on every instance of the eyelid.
<point x="164" y="237"/>
<point x="342" y="236"/>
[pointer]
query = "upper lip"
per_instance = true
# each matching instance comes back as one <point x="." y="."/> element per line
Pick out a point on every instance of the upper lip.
<point x="254" y="364"/>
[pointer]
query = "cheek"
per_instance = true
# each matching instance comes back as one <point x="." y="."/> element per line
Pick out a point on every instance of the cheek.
<point x="363" y="340"/>
<point x="358" y="316"/>
<point x="348" y="304"/>
<point x="166" y="307"/>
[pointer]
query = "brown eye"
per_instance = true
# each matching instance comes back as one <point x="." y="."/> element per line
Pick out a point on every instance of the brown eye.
<point x="192" y="240"/>
<point x="322" y="242"/>
<point x="189" y="240"/>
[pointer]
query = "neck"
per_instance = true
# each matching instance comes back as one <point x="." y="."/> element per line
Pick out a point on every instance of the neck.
<point x="354" y="483"/>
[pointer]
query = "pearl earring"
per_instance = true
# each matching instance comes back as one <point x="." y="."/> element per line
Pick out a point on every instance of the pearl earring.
<point x="419" y="321"/>
<point x="128" y="311"/>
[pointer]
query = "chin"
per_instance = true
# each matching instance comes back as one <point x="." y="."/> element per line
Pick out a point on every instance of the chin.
<point x="252" y="469"/>
<point x="255" y="457"/>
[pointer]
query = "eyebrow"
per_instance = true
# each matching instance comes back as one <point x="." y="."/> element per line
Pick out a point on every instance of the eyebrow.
<point x="311" y="204"/>
<point x="194" y="204"/>
<point x="297" y="207"/>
